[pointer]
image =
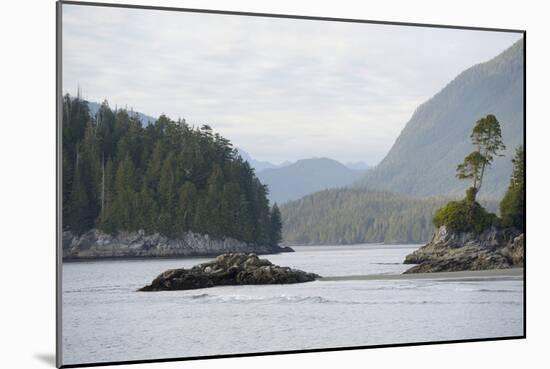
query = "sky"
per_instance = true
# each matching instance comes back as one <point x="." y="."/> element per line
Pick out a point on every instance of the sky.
<point x="280" y="89"/>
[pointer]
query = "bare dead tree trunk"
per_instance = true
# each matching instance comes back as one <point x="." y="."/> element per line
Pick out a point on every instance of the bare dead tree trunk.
<point x="481" y="176"/>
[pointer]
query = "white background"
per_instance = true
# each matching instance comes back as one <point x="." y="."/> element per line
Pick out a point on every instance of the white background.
<point x="27" y="182"/>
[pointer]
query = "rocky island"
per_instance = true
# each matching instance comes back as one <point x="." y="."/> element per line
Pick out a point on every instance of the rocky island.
<point x="96" y="244"/>
<point x="450" y="251"/>
<point x="228" y="269"/>
<point x="467" y="236"/>
<point x="166" y="189"/>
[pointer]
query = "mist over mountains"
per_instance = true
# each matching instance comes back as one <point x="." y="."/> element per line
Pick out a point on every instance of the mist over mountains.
<point x="306" y="176"/>
<point x="260" y="165"/>
<point x="424" y="157"/>
<point x="291" y="180"/>
<point x="358" y="165"/>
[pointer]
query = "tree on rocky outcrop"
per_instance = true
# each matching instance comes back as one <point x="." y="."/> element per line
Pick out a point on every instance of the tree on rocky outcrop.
<point x="468" y="215"/>
<point x="512" y="206"/>
<point x="471" y="169"/>
<point x="487" y="138"/>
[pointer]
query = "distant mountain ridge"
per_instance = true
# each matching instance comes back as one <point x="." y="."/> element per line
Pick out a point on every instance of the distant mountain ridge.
<point x="259" y="165"/>
<point x="306" y="176"/>
<point x="424" y="157"/>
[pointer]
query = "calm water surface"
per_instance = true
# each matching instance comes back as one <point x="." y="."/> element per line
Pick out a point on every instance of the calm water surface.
<point x="104" y="319"/>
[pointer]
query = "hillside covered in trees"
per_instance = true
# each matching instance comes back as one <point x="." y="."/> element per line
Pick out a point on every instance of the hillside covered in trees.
<point x="167" y="177"/>
<point x="349" y="216"/>
<point x="423" y="158"/>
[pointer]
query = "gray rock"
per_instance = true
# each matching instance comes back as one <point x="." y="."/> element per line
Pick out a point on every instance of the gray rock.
<point x="495" y="248"/>
<point x="95" y="244"/>
<point x="228" y="269"/>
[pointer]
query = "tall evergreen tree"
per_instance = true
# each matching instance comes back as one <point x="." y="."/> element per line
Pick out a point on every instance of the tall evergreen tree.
<point x="276" y="225"/>
<point x="187" y="206"/>
<point x="77" y="217"/>
<point x="512" y="206"/>
<point x="125" y="200"/>
<point x="468" y="215"/>
<point x="487" y="138"/>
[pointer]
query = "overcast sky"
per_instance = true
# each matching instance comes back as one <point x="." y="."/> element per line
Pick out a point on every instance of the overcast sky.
<point x="281" y="89"/>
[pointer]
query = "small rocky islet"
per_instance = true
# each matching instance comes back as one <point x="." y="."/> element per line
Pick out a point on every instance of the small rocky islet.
<point x="451" y="251"/>
<point x="228" y="269"/>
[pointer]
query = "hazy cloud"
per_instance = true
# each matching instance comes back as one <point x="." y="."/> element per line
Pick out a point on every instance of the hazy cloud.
<point x="281" y="89"/>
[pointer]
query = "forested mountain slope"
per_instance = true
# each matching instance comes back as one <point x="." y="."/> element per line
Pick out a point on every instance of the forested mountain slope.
<point x="424" y="157"/>
<point x="349" y="216"/>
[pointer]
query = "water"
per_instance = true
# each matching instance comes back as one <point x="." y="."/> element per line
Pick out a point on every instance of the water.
<point x="104" y="319"/>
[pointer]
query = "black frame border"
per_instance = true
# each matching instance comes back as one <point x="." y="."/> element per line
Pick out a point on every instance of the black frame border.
<point x="59" y="179"/>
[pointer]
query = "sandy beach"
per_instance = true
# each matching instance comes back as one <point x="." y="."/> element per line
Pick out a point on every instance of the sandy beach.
<point x="469" y="274"/>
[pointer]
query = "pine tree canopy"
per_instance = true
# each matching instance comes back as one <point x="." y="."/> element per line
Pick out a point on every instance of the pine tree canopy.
<point x="167" y="177"/>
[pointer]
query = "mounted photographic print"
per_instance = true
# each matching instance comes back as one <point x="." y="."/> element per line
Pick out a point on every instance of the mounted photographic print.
<point x="239" y="184"/>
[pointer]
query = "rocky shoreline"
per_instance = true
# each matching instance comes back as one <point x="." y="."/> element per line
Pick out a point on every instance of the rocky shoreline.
<point x="225" y="270"/>
<point x="95" y="244"/>
<point x="448" y="251"/>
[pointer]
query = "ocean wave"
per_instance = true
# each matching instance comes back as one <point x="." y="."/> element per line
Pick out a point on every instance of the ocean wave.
<point x="205" y="297"/>
<point x="404" y="287"/>
<point x="292" y="299"/>
<point x="499" y="291"/>
<point x="487" y="290"/>
<point x="95" y="289"/>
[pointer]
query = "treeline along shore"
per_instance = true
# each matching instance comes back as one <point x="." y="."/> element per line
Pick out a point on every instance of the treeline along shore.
<point x="347" y="216"/>
<point x="149" y="187"/>
<point x="169" y="189"/>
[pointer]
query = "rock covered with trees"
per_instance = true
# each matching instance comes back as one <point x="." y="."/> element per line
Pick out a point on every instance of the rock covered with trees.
<point x="168" y="178"/>
<point x="468" y="215"/>
<point x="468" y="236"/>
<point x="228" y="269"/>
